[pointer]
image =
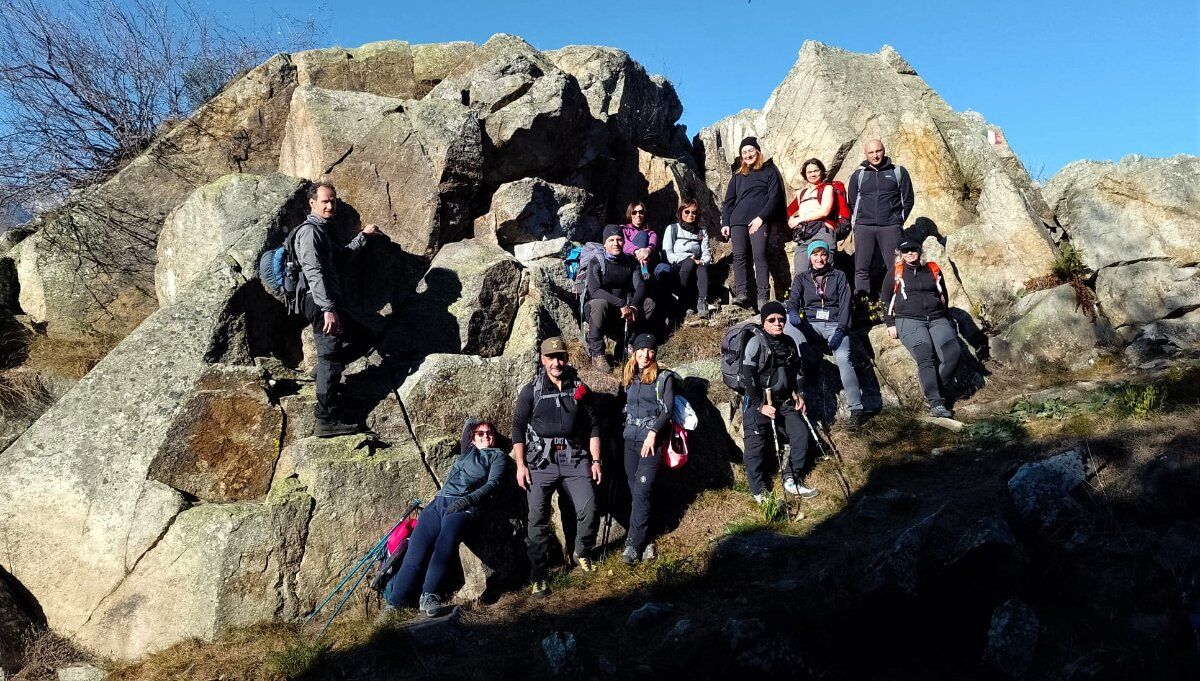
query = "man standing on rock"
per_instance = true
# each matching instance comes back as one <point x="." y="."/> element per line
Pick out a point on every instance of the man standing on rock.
<point x="556" y="442"/>
<point x="881" y="198"/>
<point x="616" y="295"/>
<point x="339" y="339"/>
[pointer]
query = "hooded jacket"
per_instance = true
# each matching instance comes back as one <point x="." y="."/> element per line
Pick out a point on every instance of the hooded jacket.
<point x="810" y="298"/>
<point x="320" y="258"/>
<point x="476" y="473"/>
<point x="922" y="298"/>
<point x="881" y="196"/>
<point x="757" y="194"/>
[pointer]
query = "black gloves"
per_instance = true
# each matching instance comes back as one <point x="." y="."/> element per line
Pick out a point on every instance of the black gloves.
<point x="458" y="505"/>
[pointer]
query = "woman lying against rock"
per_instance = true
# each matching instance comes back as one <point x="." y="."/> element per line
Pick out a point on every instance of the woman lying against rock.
<point x="434" y="543"/>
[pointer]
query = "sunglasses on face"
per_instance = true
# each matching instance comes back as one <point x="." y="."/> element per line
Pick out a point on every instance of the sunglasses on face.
<point x="638" y="212"/>
<point x="689" y="212"/>
<point x="910" y="250"/>
<point x="775" y="320"/>
<point x="485" y="433"/>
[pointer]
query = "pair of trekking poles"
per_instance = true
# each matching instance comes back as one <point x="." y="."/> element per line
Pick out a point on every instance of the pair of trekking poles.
<point x="836" y="457"/>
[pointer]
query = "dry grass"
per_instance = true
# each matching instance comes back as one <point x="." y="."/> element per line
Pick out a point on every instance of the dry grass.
<point x="70" y="358"/>
<point x="44" y="653"/>
<point x="23" y="394"/>
<point x="691" y="343"/>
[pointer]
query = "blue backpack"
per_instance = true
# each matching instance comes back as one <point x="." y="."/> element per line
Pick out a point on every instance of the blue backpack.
<point x="571" y="263"/>
<point x="279" y="271"/>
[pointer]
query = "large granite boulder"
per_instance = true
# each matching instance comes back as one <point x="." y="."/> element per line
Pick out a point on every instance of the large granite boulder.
<point x="663" y="183"/>
<point x="90" y="266"/>
<point x="536" y="121"/>
<point x="639" y="107"/>
<point x="86" y="463"/>
<point x="411" y="167"/>
<point x="1137" y="209"/>
<point x="213" y="218"/>
<point x="1142" y="292"/>
<point x="1050" y="329"/>
<point x="391" y="68"/>
<point x="971" y="193"/>
<point x="532" y="209"/>
<point x="466" y="302"/>
<point x="717" y="145"/>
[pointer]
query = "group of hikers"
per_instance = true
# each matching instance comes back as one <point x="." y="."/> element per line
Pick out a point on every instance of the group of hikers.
<point x="627" y="291"/>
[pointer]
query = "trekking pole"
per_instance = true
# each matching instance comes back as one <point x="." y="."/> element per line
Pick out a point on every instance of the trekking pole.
<point x="837" y="459"/>
<point x="361" y="569"/>
<point x="778" y="449"/>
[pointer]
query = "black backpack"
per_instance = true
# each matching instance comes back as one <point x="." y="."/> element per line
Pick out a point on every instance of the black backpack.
<point x="733" y="345"/>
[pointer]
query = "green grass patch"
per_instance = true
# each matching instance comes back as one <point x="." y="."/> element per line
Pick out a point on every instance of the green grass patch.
<point x="297" y="659"/>
<point x="1140" y="402"/>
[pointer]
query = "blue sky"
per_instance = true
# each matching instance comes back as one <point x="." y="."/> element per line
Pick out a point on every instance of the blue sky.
<point x="1066" y="80"/>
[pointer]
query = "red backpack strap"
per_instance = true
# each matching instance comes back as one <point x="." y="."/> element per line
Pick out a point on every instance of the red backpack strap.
<point x="938" y="283"/>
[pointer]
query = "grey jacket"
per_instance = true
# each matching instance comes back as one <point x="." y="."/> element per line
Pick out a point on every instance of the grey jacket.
<point x="679" y="244"/>
<point x="319" y="256"/>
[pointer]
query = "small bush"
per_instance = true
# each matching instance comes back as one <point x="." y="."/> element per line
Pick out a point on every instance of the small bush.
<point x="1068" y="264"/>
<point x="297" y="659"/>
<point x="45" y="653"/>
<point x="1141" y="402"/>
<point x="996" y="432"/>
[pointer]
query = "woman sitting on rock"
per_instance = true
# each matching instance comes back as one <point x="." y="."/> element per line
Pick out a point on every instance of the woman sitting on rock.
<point x="648" y="392"/>
<point x="434" y="543"/>
<point x="811" y="221"/>
<point x="640" y="241"/>
<point x="685" y="244"/>
<point x="914" y="298"/>
<point x="819" y="316"/>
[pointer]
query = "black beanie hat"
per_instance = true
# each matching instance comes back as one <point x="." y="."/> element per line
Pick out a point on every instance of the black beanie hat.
<point x="645" y="340"/>
<point x="773" y="307"/>
<point x="610" y="231"/>
<point x="752" y="141"/>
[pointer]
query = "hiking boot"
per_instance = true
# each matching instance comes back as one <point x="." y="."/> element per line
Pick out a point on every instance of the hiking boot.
<point x="649" y="553"/>
<point x="689" y="312"/>
<point x="540" y="588"/>
<point x="941" y="412"/>
<point x="586" y="564"/>
<point x="630" y="556"/>
<point x="599" y="363"/>
<point x="703" y="312"/>
<point x="801" y="491"/>
<point x="758" y="498"/>
<point x="431" y="605"/>
<point x="857" y="418"/>
<point x="741" y="301"/>
<point x="335" y="428"/>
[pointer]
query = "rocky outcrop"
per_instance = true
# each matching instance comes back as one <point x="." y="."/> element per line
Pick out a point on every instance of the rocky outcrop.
<point x="466" y="303"/>
<point x="531" y="210"/>
<point x="973" y="196"/>
<point x="391" y="68"/>
<point x="409" y="166"/>
<point x="1139" y="293"/>
<point x="1137" y="209"/>
<point x="1050" y="330"/>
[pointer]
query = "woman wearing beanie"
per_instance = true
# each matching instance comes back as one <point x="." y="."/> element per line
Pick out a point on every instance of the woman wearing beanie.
<point x="914" y="299"/>
<point x="819" y="315"/>
<point x="685" y="244"/>
<point x="811" y="221"/>
<point x="753" y="201"/>
<point x="649" y="390"/>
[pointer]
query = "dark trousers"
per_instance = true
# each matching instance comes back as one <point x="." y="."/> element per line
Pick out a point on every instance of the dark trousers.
<point x="800" y="261"/>
<point x="933" y="343"/>
<point x="691" y="283"/>
<point x="750" y="248"/>
<point x="574" y="476"/>
<point x="869" y="239"/>
<point x="434" y="543"/>
<point x="641" y="472"/>
<point x="604" y="317"/>
<point x="759" y="444"/>
<point x="334" y="352"/>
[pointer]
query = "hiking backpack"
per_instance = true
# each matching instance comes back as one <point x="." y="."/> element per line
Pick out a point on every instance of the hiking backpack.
<point x="590" y="254"/>
<point x="839" y="215"/>
<point x="571" y="262"/>
<point x="898" y="285"/>
<point x="733" y="344"/>
<point x="279" y="271"/>
<point x="683" y="419"/>
<point x="393" y="554"/>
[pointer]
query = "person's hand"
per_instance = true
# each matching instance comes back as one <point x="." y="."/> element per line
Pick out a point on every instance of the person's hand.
<point x="800" y="405"/>
<point x="648" y="444"/>
<point x="892" y="332"/>
<point x="767" y="411"/>
<point x="794" y="318"/>
<point x="642" y="254"/>
<point x="724" y="231"/>
<point x="370" y="229"/>
<point x="755" y="224"/>
<point x="794" y="221"/>
<point x="331" y="323"/>
<point x="697" y="261"/>
<point x="524" y="479"/>
<point x="458" y="506"/>
<point x="835" y="341"/>
<point x="629" y="313"/>
<point x="596" y="472"/>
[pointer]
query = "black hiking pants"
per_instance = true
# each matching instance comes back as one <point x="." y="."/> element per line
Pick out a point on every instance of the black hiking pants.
<point x="573" y="474"/>
<point x="604" y="317"/>
<point x="641" y="472"/>
<point x="692" y="283"/>
<point x="933" y="343"/>
<point x="869" y="239"/>
<point x="750" y="250"/>
<point x="758" y="450"/>
<point x="334" y="352"/>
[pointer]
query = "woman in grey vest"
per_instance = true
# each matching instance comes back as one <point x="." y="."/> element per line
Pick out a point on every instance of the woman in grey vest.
<point x="649" y="394"/>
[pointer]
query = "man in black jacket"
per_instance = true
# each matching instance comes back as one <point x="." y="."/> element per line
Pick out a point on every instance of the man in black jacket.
<point x="556" y="442"/>
<point x="880" y="194"/>
<point x="616" y="295"/>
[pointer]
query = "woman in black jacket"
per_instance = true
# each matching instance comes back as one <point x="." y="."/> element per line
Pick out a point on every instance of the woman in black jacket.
<point x="819" y="315"/>
<point x="753" y="201"/>
<point x="916" y="313"/>
<point x="434" y="543"/>
<point x="649" y="397"/>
